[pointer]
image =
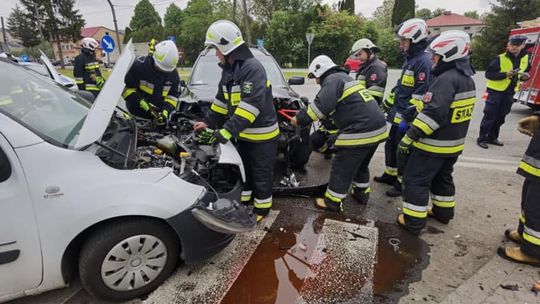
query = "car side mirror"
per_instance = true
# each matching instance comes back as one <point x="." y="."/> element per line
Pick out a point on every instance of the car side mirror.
<point x="296" y="80"/>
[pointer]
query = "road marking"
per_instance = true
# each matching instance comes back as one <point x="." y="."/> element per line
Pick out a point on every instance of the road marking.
<point x="209" y="281"/>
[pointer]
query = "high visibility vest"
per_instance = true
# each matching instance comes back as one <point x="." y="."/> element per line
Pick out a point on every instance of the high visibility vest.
<point x="506" y="66"/>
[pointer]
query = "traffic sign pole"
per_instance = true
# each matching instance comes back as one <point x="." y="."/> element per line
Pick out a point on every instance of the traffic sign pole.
<point x="309" y="38"/>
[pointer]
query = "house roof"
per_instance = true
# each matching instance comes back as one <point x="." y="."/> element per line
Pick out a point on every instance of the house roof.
<point x="90" y="31"/>
<point x="451" y="19"/>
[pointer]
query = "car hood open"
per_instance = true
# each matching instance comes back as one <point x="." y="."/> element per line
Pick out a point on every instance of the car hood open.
<point x="100" y="113"/>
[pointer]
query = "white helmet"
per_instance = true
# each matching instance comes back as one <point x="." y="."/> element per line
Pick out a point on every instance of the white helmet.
<point x="415" y="29"/>
<point x="224" y="35"/>
<point x="364" y="43"/>
<point x="89" y="43"/>
<point x="451" y="45"/>
<point x="319" y="66"/>
<point x="166" y="56"/>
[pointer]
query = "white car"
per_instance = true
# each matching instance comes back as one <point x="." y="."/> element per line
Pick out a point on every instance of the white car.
<point x="85" y="188"/>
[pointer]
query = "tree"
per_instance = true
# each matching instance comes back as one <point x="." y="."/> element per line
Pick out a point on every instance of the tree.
<point x="438" y="11"/>
<point x="127" y="34"/>
<point x="145" y="16"/>
<point x="280" y="39"/>
<point x="403" y="10"/>
<point x="147" y="33"/>
<point x="198" y="16"/>
<point x="472" y="14"/>
<point x="424" y="13"/>
<point x="335" y="35"/>
<point x="389" y="46"/>
<point x="173" y="21"/>
<point x="21" y="27"/>
<point x="503" y="17"/>
<point x="264" y="9"/>
<point x="346" y="6"/>
<point x="383" y="14"/>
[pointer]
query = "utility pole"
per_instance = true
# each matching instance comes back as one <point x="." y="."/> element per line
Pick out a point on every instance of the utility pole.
<point x="246" y="20"/>
<point x="234" y="11"/>
<point x="116" y="28"/>
<point x="5" y="45"/>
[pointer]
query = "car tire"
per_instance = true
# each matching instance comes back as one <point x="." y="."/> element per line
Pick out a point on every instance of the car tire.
<point x="299" y="153"/>
<point x="108" y="268"/>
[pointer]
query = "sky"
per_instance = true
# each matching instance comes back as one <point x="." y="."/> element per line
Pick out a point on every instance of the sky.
<point x="97" y="12"/>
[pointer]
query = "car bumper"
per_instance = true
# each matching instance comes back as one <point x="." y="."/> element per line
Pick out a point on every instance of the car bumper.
<point x="204" y="232"/>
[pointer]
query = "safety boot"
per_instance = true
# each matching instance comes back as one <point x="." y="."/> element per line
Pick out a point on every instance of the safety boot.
<point x="496" y="142"/>
<point x="328" y="205"/>
<point x="514" y="254"/>
<point x="433" y="216"/>
<point x="395" y="191"/>
<point x="260" y="213"/>
<point x="512" y="235"/>
<point x="361" y="195"/>
<point x="401" y="222"/>
<point x="385" y="179"/>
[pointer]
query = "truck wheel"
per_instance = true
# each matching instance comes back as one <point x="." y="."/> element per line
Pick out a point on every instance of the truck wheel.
<point x="128" y="259"/>
<point x="299" y="153"/>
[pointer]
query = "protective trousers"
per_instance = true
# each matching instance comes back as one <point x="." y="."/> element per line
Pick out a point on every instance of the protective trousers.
<point x="529" y="221"/>
<point x="258" y="159"/>
<point x="425" y="174"/>
<point x="350" y="165"/>
<point x="498" y="105"/>
<point x="390" y="151"/>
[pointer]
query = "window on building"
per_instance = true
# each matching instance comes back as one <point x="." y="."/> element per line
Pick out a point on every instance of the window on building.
<point x="467" y="28"/>
<point x="437" y="29"/>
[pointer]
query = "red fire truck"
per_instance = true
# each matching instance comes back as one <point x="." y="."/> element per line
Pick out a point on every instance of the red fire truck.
<point x="529" y="93"/>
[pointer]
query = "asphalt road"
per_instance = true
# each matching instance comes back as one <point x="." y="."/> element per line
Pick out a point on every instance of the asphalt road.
<point x="426" y="269"/>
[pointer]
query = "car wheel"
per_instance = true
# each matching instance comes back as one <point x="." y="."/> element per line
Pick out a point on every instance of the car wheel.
<point x="128" y="259"/>
<point x="299" y="153"/>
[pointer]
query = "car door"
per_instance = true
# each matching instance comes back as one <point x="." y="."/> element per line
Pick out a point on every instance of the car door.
<point x="20" y="252"/>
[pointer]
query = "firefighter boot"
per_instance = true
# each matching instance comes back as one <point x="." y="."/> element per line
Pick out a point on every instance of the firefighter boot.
<point x="361" y="195"/>
<point x="512" y="235"/>
<point x="385" y="179"/>
<point x="433" y="216"/>
<point x="401" y="222"/>
<point x="514" y="254"/>
<point x="261" y="213"/>
<point x="395" y="191"/>
<point x="328" y="205"/>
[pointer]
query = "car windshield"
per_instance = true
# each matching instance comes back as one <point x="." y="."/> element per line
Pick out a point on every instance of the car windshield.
<point x="53" y="113"/>
<point x="38" y="68"/>
<point x="207" y="72"/>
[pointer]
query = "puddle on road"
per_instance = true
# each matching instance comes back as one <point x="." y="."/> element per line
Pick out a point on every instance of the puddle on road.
<point x="277" y="269"/>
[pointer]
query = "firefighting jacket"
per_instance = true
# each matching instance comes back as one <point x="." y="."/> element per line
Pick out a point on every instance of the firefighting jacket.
<point x="496" y="71"/>
<point x="529" y="166"/>
<point x="86" y="72"/>
<point x="373" y="76"/>
<point x="144" y="82"/>
<point x="413" y="82"/>
<point x="440" y="128"/>
<point x="350" y="107"/>
<point x="244" y="106"/>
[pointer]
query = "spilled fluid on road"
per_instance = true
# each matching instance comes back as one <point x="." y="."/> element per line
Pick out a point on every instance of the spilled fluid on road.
<point x="279" y="267"/>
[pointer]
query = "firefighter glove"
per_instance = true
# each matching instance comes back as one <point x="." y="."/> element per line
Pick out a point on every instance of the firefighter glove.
<point x="388" y="102"/>
<point x="149" y="108"/>
<point x="405" y="144"/>
<point x="529" y="125"/>
<point x="162" y="118"/>
<point x="222" y="136"/>
<point x="100" y="81"/>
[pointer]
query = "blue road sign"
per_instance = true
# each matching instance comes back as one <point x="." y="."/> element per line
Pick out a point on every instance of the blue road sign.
<point x="107" y="43"/>
<point x="260" y="43"/>
<point x="24" y="58"/>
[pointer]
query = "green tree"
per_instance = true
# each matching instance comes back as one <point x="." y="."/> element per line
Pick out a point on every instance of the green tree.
<point x="173" y="21"/>
<point x="438" y="11"/>
<point x="145" y="15"/>
<point x="198" y="16"/>
<point x="383" y="14"/>
<point x="346" y="6"/>
<point x="22" y="27"/>
<point x="389" y="46"/>
<point x="280" y="39"/>
<point x="424" y="13"/>
<point x="340" y="27"/>
<point x="472" y="14"/>
<point x="503" y="17"/>
<point x="127" y="34"/>
<point x="147" y="33"/>
<point x="403" y="10"/>
<point x="264" y="9"/>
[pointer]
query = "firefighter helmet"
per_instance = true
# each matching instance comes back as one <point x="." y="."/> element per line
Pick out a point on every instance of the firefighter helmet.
<point x="451" y="45"/>
<point x="224" y="35"/>
<point x="166" y="56"/>
<point x="415" y="29"/>
<point x="319" y="66"/>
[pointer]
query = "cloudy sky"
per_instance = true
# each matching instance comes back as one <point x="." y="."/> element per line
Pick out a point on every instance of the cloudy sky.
<point x="97" y="12"/>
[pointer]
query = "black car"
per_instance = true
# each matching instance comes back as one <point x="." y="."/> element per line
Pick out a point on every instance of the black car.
<point x="202" y="88"/>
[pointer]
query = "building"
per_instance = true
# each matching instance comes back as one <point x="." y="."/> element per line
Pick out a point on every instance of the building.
<point x="450" y="21"/>
<point x="71" y="49"/>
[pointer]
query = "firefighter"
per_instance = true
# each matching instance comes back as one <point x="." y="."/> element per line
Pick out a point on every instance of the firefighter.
<point x="504" y="75"/>
<point x="407" y="94"/>
<point x="373" y="72"/>
<point x="361" y="126"/>
<point x="244" y="110"/>
<point x="436" y="137"/>
<point x="86" y="68"/>
<point x="527" y="234"/>
<point x="152" y="84"/>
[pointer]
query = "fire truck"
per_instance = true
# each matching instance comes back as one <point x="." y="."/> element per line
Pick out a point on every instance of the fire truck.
<point x="529" y="93"/>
